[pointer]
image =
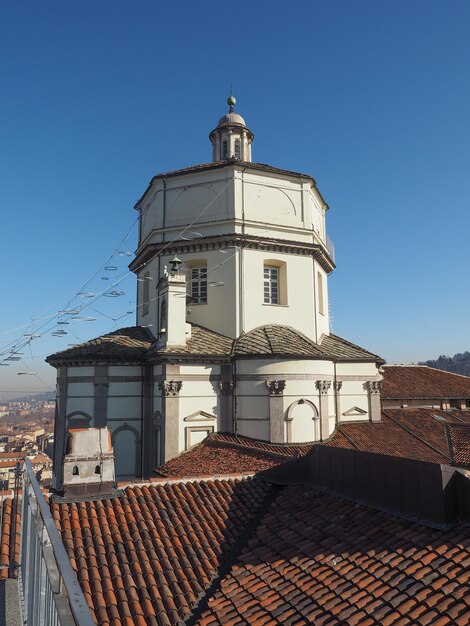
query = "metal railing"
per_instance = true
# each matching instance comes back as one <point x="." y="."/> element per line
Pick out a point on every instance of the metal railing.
<point x="51" y="593"/>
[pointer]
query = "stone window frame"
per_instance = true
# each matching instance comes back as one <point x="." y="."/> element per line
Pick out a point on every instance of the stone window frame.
<point x="194" y="429"/>
<point x="281" y="282"/>
<point x="195" y="280"/>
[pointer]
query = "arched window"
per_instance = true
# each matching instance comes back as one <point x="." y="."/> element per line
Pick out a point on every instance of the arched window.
<point x="237" y="148"/>
<point x="97" y="469"/>
<point x="225" y="149"/>
<point x="75" y="471"/>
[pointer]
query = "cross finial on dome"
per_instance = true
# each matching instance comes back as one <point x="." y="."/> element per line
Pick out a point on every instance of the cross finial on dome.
<point x="231" y="101"/>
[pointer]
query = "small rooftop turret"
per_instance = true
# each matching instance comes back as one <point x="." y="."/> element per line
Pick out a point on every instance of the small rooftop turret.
<point x="231" y="139"/>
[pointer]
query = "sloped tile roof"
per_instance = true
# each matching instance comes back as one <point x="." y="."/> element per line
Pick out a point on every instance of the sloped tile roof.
<point x="277" y="340"/>
<point x="340" y="349"/>
<point x="406" y="433"/>
<point x="221" y="454"/>
<point x="124" y="344"/>
<point x="317" y="559"/>
<point x="147" y="557"/>
<point x="234" y="552"/>
<point x="420" y="381"/>
<point x="10" y="535"/>
<point x="202" y="342"/>
<point x="137" y="343"/>
<point x="458" y="436"/>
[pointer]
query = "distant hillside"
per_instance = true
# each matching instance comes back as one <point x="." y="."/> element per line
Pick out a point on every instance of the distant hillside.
<point x="458" y="364"/>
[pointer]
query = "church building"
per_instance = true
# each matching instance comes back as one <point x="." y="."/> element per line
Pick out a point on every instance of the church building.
<point x="232" y="331"/>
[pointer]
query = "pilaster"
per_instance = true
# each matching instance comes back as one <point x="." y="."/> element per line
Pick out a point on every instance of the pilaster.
<point x="337" y="385"/>
<point x="276" y="410"/>
<point x="148" y="434"/>
<point x="323" y="387"/>
<point x="170" y="388"/>
<point x="226" y="388"/>
<point x="375" y="409"/>
<point x="101" y="384"/>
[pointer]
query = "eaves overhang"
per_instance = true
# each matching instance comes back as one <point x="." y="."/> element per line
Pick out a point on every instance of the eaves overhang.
<point x="216" y="242"/>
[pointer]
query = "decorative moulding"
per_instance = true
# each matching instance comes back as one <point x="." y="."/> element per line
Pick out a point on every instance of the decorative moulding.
<point x="199" y="416"/>
<point x="354" y="411"/>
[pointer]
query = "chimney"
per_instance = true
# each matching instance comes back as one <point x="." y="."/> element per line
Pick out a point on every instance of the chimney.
<point x="88" y="466"/>
<point x="171" y="290"/>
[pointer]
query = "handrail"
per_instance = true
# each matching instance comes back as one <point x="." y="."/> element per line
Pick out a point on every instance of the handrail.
<point x="51" y="591"/>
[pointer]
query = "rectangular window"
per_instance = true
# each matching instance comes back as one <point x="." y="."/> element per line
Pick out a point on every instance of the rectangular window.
<point x="146" y="294"/>
<point x="199" y="285"/>
<point x="271" y="285"/>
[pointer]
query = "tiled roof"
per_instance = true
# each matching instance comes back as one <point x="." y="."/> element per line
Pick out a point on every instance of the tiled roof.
<point x="244" y="552"/>
<point x="275" y="339"/>
<point x="340" y="349"/>
<point x="203" y="342"/>
<point x="420" y="381"/>
<point x="125" y="344"/>
<point x="221" y="454"/>
<point x="137" y="343"/>
<point x="317" y="559"/>
<point x="9" y="553"/>
<point x="406" y="433"/>
<point x="458" y="436"/>
<point x="147" y="557"/>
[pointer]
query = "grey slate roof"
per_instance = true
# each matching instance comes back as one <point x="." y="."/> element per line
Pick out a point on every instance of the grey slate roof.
<point x="275" y="339"/>
<point x="125" y="344"/>
<point x="203" y="342"/>
<point x="138" y="344"/>
<point x="341" y="349"/>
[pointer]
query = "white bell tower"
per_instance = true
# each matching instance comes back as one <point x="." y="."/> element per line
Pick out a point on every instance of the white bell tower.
<point x="231" y="139"/>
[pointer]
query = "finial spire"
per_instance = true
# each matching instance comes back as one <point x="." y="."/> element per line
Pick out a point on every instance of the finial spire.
<point x="231" y="101"/>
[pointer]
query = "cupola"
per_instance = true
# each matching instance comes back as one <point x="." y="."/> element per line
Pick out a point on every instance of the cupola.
<point x="231" y="139"/>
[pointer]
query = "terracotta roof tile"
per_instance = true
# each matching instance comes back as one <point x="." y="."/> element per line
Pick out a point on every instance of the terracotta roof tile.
<point x="458" y="439"/>
<point x="167" y="547"/>
<point x="420" y="381"/>
<point x="10" y="535"/>
<point x="340" y="585"/>
<point x="407" y="433"/>
<point x="223" y="454"/>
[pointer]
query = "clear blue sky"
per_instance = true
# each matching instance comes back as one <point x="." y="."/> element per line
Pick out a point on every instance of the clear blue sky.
<point x="370" y="97"/>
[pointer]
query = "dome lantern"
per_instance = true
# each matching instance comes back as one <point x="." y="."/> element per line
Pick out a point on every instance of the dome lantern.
<point x="231" y="139"/>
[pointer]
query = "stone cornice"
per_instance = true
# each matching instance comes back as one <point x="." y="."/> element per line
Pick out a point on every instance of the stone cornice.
<point x="217" y="242"/>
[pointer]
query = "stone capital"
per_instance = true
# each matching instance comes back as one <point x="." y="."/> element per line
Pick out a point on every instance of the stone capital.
<point x="375" y="386"/>
<point x="226" y="387"/>
<point x="323" y="386"/>
<point x="170" y="387"/>
<point x="337" y="385"/>
<point x="275" y="387"/>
